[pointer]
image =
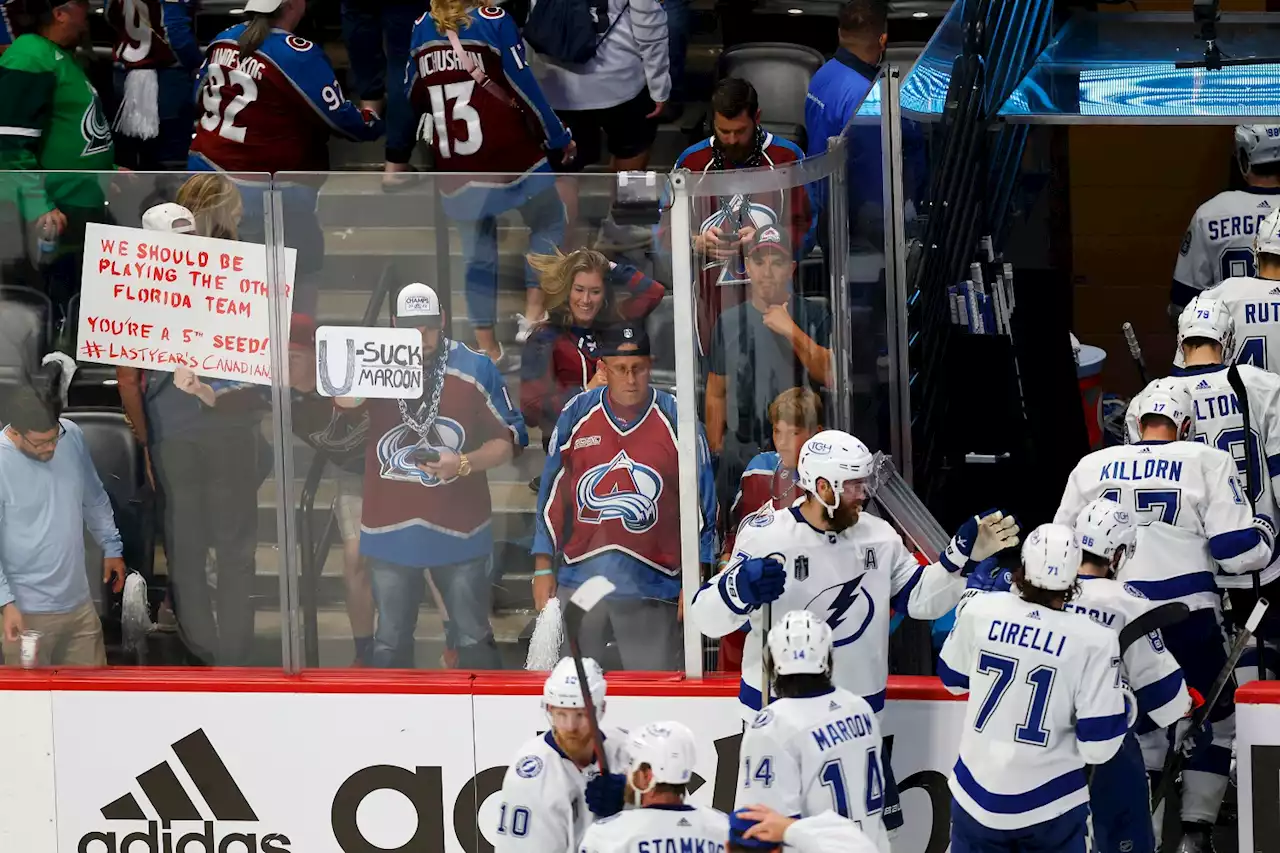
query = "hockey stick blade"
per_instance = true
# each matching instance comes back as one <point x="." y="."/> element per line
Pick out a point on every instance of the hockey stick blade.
<point x="1175" y="759"/>
<point x="1156" y="619"/>
<point x="584" y="599"/>
<point x="766" y="683"/>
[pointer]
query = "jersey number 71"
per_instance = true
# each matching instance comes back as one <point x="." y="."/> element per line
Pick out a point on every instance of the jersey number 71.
<point x="1032" y="730"/>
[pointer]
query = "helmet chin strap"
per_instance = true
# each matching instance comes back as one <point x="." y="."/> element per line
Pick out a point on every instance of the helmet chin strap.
<point x="638" y="792"/>
<point x="831" y="507"/>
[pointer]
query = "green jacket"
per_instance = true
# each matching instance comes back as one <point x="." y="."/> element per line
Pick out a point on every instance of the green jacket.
<point x="50" y="119"/>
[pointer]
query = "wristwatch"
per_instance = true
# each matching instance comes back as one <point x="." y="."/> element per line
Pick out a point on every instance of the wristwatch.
<point x="464" y="465"/>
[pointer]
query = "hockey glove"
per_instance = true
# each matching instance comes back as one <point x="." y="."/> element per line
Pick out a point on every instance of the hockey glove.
<point x="1266" y="528"/>
<point x="987" y="576"/>
<point x="605" y="793"/>
<point x="1190" y="739"/>
<point x="1130" y="705"/>
<point x="979" y="538"/>
<point x="754" y="582"/>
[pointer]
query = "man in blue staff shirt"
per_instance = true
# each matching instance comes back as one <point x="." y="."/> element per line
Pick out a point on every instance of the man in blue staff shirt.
<point x="840" y="85"/>
<point x="49" y="494"/>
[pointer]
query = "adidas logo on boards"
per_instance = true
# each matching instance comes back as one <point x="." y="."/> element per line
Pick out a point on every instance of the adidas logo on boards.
<point x="168" y="797"/>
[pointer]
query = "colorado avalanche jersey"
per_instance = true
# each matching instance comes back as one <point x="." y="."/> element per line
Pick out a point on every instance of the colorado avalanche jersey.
<point x="1193" y="516"/>
<point x="1219" y="424"/>
<point x="851" y="579"/>
<point x="272" y="111"/>
<point x="1219" y="241"/>
<point x="806" y="755"/>
<point x="1254" y="304"/>
<point x="471" y="128"/>
<point x="543" y="810"/>
<point x="1044" y="700"/>
<point x="764" y="481"/>
<point x="154" y="33"/>
<point x="410" y="517"/>
<point x="610" y="497"/>
<point x="658" y="829"/>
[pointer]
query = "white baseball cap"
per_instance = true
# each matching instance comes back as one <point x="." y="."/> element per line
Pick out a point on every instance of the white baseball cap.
<point x="264" y="6"/>
<point x="418" y="305"/>
<point x="170" y="217"/>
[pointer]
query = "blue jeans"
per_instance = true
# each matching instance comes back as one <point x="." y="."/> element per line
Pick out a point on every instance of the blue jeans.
<point x="678" y="43"/>
<point x="543" y="214"/>
<point x="1062" y="834"/>
<point x="377" y="41"/>
<point x="467" y="590"/>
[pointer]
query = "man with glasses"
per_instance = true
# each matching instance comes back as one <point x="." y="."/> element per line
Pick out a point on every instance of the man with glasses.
<point x="49" y="494"/>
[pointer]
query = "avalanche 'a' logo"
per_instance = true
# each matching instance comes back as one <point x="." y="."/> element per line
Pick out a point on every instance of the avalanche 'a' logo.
<point x="622" y="489"/>
<point x="395" y="447"/>
<point x="848" y="609"/>
<point x="734" y="271"/>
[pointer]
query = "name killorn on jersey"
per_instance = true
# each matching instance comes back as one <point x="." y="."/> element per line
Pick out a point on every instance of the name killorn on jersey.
<point x="1142" y="469"/>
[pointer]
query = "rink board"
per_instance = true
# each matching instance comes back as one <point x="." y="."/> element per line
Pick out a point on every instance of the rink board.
<point x="347" y="762"/>
<point x="1258" y="766"/>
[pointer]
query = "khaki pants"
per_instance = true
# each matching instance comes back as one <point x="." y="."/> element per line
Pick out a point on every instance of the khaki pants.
<point x="67" y="639"/>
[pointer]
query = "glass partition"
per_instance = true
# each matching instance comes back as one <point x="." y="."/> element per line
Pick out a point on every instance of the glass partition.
<point x="432" y="525"/>
<point x="162" y="318"/>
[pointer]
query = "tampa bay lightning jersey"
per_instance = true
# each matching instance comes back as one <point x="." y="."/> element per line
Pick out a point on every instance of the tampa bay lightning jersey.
<point x="1044" y="700"/>
<point x="542" y="808"/>
<point x="851" y="579"/>
<point x="803" y="756"/>
<point x="1219" y="241"/>
<point x="681" y="828"/>
<point x="1219" y="424"/>
<point x="1192" y="514"/>
<point x="1254" y="304"/>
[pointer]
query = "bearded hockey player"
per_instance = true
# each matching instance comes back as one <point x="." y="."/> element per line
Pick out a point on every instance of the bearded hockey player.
<point x="1045" y="699"/>
<point x="817" y="748"/>
<point x="1254" y="301"/>
<point x="1193" y="520"/>
<point x="662" y="757"/>
<point x="1217" y="245"/>
<point x="543" y="807"/>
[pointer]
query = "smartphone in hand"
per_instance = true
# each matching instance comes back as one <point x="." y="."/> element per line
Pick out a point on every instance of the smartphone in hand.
<point x="424" y="455"/>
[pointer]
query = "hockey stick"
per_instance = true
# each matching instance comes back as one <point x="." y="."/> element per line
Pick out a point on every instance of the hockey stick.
<point x="584" y="599"/>
<point x="1246" y="417"/>
<point x="766" y="684"/>
<point x="1156" y="619"/>
<point x="1175" y="759"/>
<point x="1135" y="350"/>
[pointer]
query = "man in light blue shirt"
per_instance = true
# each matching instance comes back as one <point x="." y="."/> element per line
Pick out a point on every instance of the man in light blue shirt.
<point x="49" y="494"/>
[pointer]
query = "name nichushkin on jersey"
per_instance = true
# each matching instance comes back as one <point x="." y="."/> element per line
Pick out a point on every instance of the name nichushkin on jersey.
<point x="172" y="804"/>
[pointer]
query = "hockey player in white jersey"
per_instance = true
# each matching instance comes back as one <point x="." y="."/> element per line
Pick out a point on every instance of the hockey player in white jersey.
<point x="1119" y="796"/>
<point x="760" y="829"/>
<point x="1045" y="699"/>
<point x="825" y="555"/>
<point x="543" y="807"/>
<point x="1254" y="301"/>
<point x="817" y="748"/>
<point x="662" y="757"/>
<point x="1193" y="520"/>
<point x="1218" y="242"/>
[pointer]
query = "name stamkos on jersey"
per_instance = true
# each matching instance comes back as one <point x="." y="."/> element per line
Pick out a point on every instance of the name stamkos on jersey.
<point x="529" y="767"/>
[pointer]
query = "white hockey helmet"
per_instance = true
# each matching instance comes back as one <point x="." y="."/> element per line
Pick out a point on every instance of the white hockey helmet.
<point x="1205" y="317"/>
<point x="1051" y="557"/>
<point x="1267" y="239"/>
<point x="561" y="687"/>
<point x="800" y="643"/>
<point x="670" y="751"/>
<point x="1170" y="398"/>
<point x="838" y="458"/>
<point x="1103" y="527"/>
<point x="1257" y="143"/>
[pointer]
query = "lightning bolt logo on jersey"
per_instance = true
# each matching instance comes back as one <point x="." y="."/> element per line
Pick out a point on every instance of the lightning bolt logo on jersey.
<point x="851" y="580"/>
<point x="622" y="489"/>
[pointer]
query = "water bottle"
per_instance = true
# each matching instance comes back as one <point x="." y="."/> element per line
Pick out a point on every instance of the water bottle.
<point x="46" y="247"/>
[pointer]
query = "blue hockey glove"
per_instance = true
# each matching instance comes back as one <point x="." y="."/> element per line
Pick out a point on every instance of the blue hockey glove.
<point x="753" y="582"/>
<point x="604" y="794"/>
<point x="987" y="576"/>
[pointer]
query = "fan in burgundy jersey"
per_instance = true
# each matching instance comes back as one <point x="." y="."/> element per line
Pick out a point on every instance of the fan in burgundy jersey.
<point x="270" y="99"/>
<point x="156" y="57"/>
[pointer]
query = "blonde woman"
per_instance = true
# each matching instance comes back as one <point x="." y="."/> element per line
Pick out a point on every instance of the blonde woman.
<point x="481" y="110"/>
<point x="215" y="203"/>
<point x="584" y="292"/>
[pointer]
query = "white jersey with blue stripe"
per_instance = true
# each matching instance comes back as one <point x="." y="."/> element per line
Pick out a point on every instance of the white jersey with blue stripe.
<point x="680" y="828"/>
<point x="1219" y="423"/>
<point x="1254" y="304"/>
<point x="1150" y="669"/>
<point x="806" y="755"/>
<point x="1192" y="513"/>
<point x="1044" y="701"/>
<point x="851" y="579"/>
<point x="1219" y="241"/>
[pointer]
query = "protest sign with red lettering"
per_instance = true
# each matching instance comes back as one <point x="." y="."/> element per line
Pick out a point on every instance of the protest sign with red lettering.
<point x="160" y="301"/>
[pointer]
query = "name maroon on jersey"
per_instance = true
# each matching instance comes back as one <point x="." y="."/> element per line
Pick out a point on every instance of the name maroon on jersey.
<point x="471" y="129"/>
<point x="254" y="118"/>
<point x="618" y="491"/>
<point x="140" y="36"/>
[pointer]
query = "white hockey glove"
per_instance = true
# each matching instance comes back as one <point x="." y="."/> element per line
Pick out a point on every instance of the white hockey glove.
<point x="1264" y="525"/>
<point x="979" y="538"/>
<point x="1130" y="704"/>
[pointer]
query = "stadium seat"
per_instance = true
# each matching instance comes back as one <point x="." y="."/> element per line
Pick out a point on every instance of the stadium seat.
<point x="780" y="73"/>
<point x="26" y="327"/>
<point x="120" y="465"/>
